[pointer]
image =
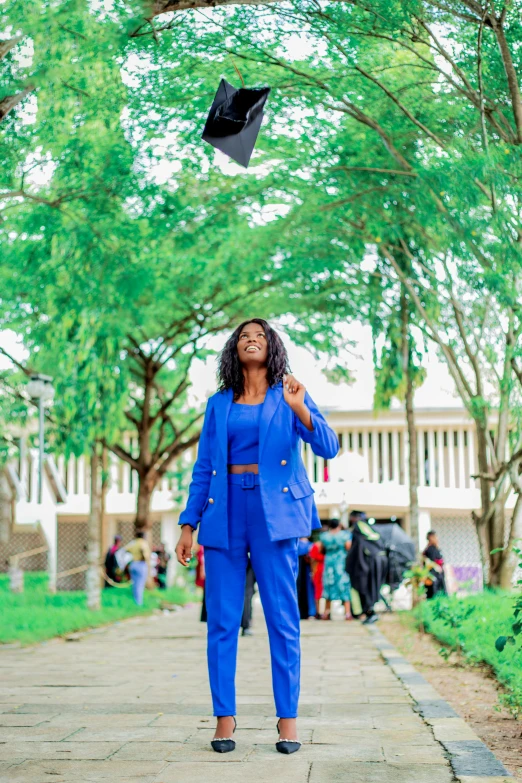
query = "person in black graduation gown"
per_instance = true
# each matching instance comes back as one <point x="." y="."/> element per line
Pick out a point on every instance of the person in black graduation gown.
<point x="367" y="566"/>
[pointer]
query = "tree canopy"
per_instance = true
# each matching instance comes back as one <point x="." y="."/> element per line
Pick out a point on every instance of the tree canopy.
<point x="386" y="179"/>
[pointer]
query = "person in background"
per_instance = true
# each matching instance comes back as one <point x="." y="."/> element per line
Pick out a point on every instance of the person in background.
<point x="305" y="587"/>
<point x="316" y="556"/>
<point x="435" y="582"/>
<point x="112" y="567"/>
<point x="162" y="566"/>
<point x="153" y="568"/>
<point x="246" y="620"/>
<point x="355" y="516"/>
<point x="336" y="582"/>
<point x="355" y="598"/>
<point x="139" y="566"/>
<point x="200" y="580"/>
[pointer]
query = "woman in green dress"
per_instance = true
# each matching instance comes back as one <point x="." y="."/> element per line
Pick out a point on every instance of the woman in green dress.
<point x="336" y="582"/>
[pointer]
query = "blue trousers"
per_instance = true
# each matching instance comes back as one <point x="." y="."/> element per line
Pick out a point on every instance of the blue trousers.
<point x="275" y="567"/>
<point x="138" y="572"/>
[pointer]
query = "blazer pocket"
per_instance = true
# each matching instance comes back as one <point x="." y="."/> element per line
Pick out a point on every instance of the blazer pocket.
<point x="300" y="489"/>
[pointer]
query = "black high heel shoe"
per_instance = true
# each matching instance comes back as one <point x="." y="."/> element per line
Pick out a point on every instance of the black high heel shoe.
<point x="286" y="746"/>
<point x="224" y="744"/>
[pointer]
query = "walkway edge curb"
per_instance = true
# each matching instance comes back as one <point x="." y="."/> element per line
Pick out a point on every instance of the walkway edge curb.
<point x="471" y="760"/>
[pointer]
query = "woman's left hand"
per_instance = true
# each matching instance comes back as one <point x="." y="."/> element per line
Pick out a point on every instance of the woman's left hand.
<point x="294" y="392"/>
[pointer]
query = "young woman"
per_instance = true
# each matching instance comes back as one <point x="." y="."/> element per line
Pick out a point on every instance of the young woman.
<point x="336" y="582"/>
<point x="251" y="492"/>
<point x="139" y="566"/>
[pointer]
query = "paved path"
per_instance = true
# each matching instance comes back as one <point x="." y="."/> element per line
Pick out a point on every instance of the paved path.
<point x="130" y="704"/>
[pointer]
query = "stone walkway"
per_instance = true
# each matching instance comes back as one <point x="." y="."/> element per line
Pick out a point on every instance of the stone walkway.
<point x="131" y="704"/>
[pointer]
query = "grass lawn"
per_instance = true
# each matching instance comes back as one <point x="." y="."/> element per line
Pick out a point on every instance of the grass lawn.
<point x="36" y="614"/>
<point x="491" y="616"/>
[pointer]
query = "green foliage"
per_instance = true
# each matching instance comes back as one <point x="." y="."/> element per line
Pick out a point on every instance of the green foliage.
<point x="376" y="167"/>
<point x="471" y="625"/>
<point x="516" y="619"/>
<point x="416" y="574"/>
<point x="36" y="614"/>
<point x="451" y="612"/>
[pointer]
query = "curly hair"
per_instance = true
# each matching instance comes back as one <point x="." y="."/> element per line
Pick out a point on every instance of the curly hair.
<point x="230" y="371"/>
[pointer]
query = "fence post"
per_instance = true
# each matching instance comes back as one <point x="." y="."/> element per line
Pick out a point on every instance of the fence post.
<point x="16" y="576"/>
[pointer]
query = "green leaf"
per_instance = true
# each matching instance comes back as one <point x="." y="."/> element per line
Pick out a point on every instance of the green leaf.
<point x="501" y="643"/>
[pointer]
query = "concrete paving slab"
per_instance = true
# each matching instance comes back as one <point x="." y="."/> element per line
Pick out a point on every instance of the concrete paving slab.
<point x="286" y="770"/>
<point x="57" y="750"/>
<point x="472" y="779"/>
<point x="10" y="719"/>
<point x="34" y="733"/>
<point x="414" y="754"/>
<point x="86" y="720"/>
<point x="145" y="751"/>
<point x="133" y="734"/>
<point x="84" y="772"/>
<point x="335" y="772"/>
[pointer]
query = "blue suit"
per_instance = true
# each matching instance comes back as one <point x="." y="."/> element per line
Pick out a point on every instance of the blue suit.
<point x="285" y="489"/>
<point x="262" y="515"/>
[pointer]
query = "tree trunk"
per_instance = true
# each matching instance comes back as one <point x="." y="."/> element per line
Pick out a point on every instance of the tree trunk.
<point x="413" y="467"/>
<point x="145" y="489"/>
<point x="491" y="523"/>
<point x="5" y="508"/>
<point x="511" y="73"/>
<point x="93" y="584"/>
<point x="104" y="537"/>
<point x="511" y="559"/>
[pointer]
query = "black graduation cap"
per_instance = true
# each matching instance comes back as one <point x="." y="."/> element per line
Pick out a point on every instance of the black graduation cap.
<point x="234" y="121"/>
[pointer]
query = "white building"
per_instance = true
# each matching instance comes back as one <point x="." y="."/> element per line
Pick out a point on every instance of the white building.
<point x="370" y="473"/>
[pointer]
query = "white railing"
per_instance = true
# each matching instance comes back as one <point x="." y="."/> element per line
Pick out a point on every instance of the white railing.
<point x="445" y="457"/>
<point x="373" y="456"/>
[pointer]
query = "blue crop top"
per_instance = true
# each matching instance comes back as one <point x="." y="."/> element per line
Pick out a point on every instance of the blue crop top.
<point x="243" y="434"/>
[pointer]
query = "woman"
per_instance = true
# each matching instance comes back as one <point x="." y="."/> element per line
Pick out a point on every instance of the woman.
<point x="336" y="582"/>
<point x="317" y="558"/>
<point x="112" y="568"/>
<point x="139" y="565"/>
<point x="435" y="582"/>
<point x="251" y="492"/>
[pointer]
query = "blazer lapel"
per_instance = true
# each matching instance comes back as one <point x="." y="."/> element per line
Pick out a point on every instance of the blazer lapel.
<point x="221" y="411"/>
<point x="272" y="399"/>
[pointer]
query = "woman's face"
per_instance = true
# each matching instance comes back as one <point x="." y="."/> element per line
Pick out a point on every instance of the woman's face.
<point x="252" y="345"/>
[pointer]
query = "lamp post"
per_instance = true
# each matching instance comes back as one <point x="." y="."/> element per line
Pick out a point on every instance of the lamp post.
<point x="40" y="389"/>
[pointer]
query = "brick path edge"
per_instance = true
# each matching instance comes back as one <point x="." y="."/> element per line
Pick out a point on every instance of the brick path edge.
<point x="471" y="760"/>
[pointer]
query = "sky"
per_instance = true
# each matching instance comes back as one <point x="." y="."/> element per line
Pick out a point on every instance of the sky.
<point x="438" y="391"/>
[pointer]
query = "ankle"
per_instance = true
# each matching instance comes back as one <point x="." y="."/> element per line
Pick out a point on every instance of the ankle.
<point x="225" y="725"/>
<point x="288" y="728"/>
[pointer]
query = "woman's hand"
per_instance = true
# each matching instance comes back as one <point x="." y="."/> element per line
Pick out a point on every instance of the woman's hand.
<point x="184" y="546"/>
<point x="294" y="393"/>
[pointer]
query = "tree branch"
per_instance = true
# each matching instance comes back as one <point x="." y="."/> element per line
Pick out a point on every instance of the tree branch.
<point x="124" y="455"/>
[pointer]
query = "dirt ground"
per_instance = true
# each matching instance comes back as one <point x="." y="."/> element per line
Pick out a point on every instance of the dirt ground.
<point x="471" y="691"/>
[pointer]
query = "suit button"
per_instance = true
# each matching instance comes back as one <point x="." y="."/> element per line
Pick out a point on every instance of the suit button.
<point x="211" y="500"/>
<point x="214" y="473"/>
<point x="285" y="489"/>
<point x="283" y="462"/>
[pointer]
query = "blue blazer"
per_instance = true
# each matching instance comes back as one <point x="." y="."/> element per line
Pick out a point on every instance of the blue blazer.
<point x="286" y="492"/>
